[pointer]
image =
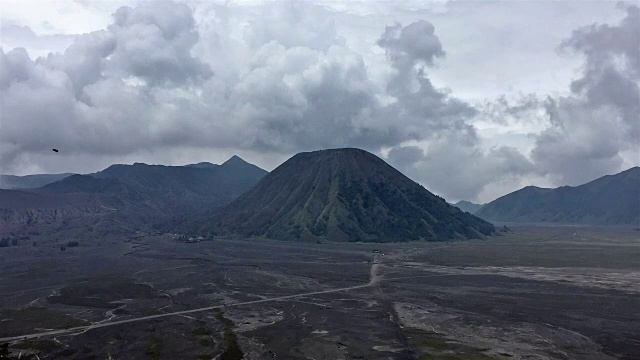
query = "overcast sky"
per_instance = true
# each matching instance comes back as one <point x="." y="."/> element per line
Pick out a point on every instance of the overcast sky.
<point x="471" y="99"/>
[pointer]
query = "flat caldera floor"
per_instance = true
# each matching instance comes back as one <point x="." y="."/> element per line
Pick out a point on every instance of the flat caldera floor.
<point x="560" y="292"/>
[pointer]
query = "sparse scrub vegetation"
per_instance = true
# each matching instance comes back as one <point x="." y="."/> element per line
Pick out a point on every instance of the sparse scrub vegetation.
<point x="232" y="351"/>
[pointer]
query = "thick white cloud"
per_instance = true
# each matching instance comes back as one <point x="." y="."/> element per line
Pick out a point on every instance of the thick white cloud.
<point x="163" y="80"/>
<point x="600" y="120"/>
<point x="154" y="43"/>
<point x="564" y="140"/>
<point x="99" y="95"/>
<point x="458" y="168"/>
<point x="293" y="25"/>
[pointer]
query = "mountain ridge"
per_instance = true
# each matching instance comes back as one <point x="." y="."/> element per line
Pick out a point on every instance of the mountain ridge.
<point x="140" y="195"/>
<point x="608" y="200"/>
<point x="33" y="181"/>
<point x="345" y="195"/>
<point x="468" y="206"/>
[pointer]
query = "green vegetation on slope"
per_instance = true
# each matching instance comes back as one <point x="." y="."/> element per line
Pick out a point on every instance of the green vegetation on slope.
<point x="343" y="195"/>
<point x="232" y="351"/>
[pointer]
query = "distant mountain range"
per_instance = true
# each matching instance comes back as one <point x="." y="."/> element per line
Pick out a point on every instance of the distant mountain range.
<point x="192" y="184"/>
<point x="609" y="200"/>
<point x="467" y="206"/>
<point x="137" y="195"/>
<point x="29" y="181"/>
<point x="343" y="195"/>
<point x="10" y="182"/>
<point x="339" y="194"/>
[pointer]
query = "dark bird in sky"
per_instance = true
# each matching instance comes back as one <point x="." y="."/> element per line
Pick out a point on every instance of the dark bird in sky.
<point x="55" y="150"/>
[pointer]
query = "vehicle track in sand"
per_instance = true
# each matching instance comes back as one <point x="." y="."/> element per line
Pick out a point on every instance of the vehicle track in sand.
<point x="374" y="279"/>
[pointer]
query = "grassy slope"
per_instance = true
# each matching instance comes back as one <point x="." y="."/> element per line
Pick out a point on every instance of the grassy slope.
<point x="348" y="195"/>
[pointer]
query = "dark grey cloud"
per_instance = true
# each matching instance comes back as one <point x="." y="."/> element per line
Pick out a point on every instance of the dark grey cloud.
<point x="16" y="66"/>
<point x="612" y="66"/>
<point x="600" y="120"/>
<point x="457" y="169"/>
<point x="405" y="156"/>
<point x="453" y="163"/>
<point x="85" y="61"/>
<point x="151" y="43"/>
<point x="423" y="108"/>
<point x="412" y="43"/>
<point x="103" y="94"/>
<point x="301" y="99"/>
<point x="154" y="42"/>
<point x="136" y="85"/>
<point x="278" y="78"/>
<point x="308" y="97"/>
<point x="586" y="133"/>
<point x="409" y="49"/>
<point x="515" y="109"/>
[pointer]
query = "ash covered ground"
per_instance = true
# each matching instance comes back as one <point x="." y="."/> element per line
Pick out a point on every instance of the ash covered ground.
<point x="560" y="292"/>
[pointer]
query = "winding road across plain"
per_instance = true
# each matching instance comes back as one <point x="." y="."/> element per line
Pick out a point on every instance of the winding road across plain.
<point x="374" y="278"/>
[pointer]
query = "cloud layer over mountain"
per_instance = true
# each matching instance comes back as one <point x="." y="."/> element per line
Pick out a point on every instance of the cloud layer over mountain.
<point x="279" y="78"/>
